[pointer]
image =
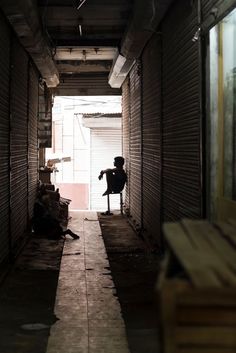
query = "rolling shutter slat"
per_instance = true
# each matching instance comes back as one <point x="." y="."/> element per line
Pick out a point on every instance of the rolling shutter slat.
<point x="4" y="140"/>
<point x="181" y="115"/>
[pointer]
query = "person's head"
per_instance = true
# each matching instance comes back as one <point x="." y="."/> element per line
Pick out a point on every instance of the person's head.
<point x="119" y="161"/>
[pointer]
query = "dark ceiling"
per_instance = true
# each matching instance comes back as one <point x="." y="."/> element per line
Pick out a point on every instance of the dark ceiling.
<point x="85" y="35"/>
<point x="71" y="38"/>
<point x="88" y="23"/>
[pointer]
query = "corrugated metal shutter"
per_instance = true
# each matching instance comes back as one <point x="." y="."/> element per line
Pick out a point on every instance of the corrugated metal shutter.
<point x="105" y="145"/>
<point x="32" y="138"/>
<point x="151" y="63"/>
<point x="19" y="141"/>
<point x="181" y="115"/>
<point x="85" y="85"/>
<point x="4" y="140"/>
<point x="135" y="145"/>
<point x="126" y="135"/>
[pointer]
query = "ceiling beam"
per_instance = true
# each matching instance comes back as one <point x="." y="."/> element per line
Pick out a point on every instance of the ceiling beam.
<point x="73" y="66"/>
<point x="69" y="41"/>
<point x="85" y="53"/>
<point x="23" y="17"/>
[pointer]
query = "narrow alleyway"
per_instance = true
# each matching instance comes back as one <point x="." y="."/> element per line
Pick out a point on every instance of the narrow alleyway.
<point x="63" y="300"/>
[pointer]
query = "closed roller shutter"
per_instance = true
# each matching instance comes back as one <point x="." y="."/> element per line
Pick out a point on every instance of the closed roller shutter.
<point x="32" y="138"/>
<point x="151" y="63"/>
<point x="135" y="145"/>
<point x="126" y="135"/>
<point x="181" y="115"/>
<point x="85" y="85"/>
<point x="105" y="145"/>
<point x="4" y="140"/>
<point x="19" y="148"/>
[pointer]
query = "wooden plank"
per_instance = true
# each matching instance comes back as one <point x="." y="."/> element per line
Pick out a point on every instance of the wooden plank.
<point x="229" y="231"/>
<point x="168" y="322"/>
<point x="205" y="350"/>
<point x="226" y="252"/>
<point x="205" y="335"/>
<point x="187" y="295"/>
<point x="212" y="316"/>
<point x="164" y="265"/>
<point x="193" y="263"/>
<point x="192" y="229"/>
<point x="209" y="243"/>
<point x="232" y="221"/>
<point x="208" y="299"/>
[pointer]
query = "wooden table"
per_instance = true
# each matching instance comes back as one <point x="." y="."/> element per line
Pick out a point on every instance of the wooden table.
<point x="197" y="287"/>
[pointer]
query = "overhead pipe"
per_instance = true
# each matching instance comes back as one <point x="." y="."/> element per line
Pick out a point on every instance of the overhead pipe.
<point x="146" y="17"/>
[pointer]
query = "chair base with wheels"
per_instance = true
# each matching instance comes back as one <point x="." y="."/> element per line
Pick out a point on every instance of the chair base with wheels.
<point x="108" y="212"/>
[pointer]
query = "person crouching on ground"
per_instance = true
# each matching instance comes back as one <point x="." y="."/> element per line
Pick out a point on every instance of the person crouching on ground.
<point x="44" y="223"/>
<point x="116" y="177"/>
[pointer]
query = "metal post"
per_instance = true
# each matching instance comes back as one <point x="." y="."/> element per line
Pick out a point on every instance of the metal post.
<point x="121" y="203"/>
<point x="108" y="204"/>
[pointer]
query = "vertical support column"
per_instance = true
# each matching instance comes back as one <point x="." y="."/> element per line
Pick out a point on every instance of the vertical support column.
<point x="121" y="203"/>
<point x="108" y="204"/>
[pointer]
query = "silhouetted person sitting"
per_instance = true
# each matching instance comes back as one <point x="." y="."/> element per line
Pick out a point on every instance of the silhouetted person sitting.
<point x="44" y="223"/>
<point x="116" y="177"/>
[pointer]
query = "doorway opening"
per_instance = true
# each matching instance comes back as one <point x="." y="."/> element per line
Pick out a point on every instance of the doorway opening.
<point x="86" y="136"/>
<point x="222" y="119"/>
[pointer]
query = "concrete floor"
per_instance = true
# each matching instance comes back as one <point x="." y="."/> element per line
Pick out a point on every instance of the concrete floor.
<point x="63" y="299"/>
<point x="134" y="267"/>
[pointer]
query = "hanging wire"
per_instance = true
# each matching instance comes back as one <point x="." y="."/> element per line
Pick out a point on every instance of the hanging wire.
<point x="81" y="4"/>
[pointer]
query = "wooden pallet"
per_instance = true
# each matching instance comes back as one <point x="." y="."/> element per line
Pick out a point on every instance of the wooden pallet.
<point x="197" y="288"/>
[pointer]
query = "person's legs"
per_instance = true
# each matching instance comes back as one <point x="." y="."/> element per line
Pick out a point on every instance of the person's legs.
<point x="110" y="183"/>
<point x="57" y="231"/>
<point x="73" y="235"/>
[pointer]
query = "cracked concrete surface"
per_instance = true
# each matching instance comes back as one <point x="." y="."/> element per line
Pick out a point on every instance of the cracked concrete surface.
<point x="87" y="307"/>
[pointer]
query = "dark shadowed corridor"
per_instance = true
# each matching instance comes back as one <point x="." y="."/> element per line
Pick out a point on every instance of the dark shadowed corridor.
<point x="61" y="299"/>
